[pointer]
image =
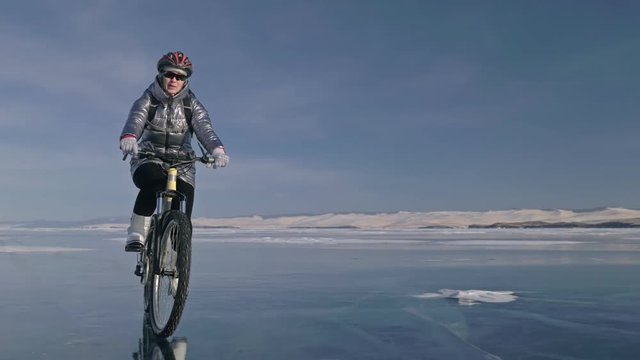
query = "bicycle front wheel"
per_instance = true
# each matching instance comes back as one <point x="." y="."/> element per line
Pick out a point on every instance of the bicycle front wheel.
<point x="170" y="281"/>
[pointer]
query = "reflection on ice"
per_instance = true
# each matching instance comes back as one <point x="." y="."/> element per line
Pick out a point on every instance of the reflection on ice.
<point x="151" y="347"/>
<point x="471" y="297"/>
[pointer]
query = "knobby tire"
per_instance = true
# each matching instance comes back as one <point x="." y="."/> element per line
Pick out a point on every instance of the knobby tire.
<point x="148" y="254"/>
<point x="174" y="239"/>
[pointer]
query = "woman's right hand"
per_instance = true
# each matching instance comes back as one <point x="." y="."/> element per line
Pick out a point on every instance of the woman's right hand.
<point x="129" y="145"/>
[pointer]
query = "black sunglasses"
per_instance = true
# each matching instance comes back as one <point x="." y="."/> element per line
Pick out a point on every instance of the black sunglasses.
<point x="171" y="75"/>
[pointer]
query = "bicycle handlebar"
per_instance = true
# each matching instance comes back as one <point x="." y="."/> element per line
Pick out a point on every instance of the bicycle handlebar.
<point x="172" y="161"/>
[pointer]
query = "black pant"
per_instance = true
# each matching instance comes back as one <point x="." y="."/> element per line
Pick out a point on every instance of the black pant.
<point x="150" y="178"/>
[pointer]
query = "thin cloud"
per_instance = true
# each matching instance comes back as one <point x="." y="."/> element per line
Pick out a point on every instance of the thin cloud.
<point x="276" y="186"/>
<point x="21" y="115"/>
<point x="98" y="76"/>
<point x="268" y="173"/>
<point x="280" y="105"/>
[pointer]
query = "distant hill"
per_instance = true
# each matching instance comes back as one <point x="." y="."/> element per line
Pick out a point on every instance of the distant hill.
<point x="520" y="218"/>
<point x="558" y="225"/>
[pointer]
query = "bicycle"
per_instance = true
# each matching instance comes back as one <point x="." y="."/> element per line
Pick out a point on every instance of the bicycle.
<point x="164" y="262"/>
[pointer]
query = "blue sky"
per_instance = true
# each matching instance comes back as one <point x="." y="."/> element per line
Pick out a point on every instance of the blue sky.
<point x="330" y="106"/>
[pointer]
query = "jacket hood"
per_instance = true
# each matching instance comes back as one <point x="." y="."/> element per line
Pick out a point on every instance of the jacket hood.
<point x="158" y="92"/>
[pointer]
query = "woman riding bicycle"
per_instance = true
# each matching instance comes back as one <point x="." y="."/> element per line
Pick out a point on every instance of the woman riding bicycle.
<point x="163" y="121"/>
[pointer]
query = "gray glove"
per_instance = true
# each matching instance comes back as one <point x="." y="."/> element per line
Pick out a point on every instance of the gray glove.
<point x="218" y="158"/>
<point x="129" y="145"/>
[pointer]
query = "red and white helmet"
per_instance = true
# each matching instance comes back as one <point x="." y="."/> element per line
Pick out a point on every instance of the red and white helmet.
<point x="175" y="60"/>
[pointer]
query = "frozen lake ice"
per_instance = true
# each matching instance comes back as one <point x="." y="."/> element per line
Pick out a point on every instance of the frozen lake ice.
<point x="333" y="294"/>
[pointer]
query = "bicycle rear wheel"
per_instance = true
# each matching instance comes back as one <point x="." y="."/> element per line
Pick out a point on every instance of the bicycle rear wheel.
<point x="170" y="281"/>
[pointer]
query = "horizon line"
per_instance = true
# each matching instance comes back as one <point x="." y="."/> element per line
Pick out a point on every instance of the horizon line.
<point x="310" y="214"/>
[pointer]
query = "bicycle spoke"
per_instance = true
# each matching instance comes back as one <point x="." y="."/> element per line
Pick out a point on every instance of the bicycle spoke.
<point x="164" y="297"/>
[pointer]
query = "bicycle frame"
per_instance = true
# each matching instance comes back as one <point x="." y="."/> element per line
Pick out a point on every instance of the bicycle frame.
<point x="163" y="204"/>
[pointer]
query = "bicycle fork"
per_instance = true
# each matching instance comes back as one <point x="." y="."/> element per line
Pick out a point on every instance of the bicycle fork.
<point x="165" y="200"/>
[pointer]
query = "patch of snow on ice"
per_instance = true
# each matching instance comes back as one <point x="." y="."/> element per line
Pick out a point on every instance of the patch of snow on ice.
<point x="471" y="297"/>
<point x="38" y="249"/>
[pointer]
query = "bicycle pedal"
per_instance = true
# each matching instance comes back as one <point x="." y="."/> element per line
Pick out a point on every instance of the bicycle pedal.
<point x="133" y="247"/>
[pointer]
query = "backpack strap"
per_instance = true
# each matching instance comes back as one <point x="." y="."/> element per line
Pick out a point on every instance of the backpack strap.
<point x="186" y="105"/>
<point x="152" y="108"/>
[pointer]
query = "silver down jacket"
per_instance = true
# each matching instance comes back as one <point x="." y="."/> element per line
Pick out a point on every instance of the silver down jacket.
<point x="169" y="133"/>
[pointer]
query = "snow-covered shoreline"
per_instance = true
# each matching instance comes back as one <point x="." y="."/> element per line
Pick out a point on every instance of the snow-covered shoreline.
<point x="416" y="220"/>
<point x="606" y="217"/>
